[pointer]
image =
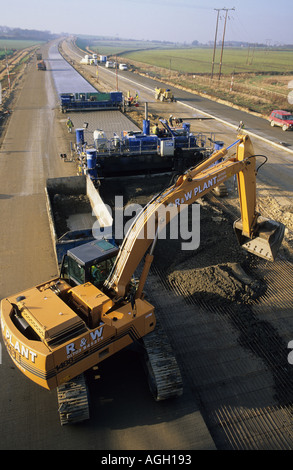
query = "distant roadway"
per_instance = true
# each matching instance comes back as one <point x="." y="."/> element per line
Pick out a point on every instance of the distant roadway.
<point x="220" y="111"/>
<point x="274" y="143"/>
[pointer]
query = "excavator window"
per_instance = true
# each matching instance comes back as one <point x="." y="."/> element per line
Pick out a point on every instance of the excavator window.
<point x="89" y="262"/>
<point x="75" y="272"/>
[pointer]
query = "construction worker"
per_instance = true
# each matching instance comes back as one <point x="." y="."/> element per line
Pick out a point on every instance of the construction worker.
<point x="129" y="100"/>
<point x="240" y="126"/>
<point x="98" y="273"/>
<point x="69" y="125"/>
<point x="155" y="129"/>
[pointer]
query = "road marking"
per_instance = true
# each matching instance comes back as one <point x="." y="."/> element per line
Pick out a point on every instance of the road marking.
<point x="270" y="142"/>
<point x="281" y="147"/>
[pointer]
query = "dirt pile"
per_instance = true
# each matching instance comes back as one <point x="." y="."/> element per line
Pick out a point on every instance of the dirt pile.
<point x="218" y="243"/>
<point x="217" y="269"/>
<point x="226" y="282"/>
<point x="281" y="209"/>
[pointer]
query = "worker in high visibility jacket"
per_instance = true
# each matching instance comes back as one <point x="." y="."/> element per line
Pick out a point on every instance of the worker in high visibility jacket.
<point x="69" y="125"/>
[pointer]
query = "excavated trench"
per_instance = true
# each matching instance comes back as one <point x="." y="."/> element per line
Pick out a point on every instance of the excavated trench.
<point x="68" y="207"/>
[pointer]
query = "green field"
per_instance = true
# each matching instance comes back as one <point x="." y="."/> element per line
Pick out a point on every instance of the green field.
<point x="117" y="46"/>
<point x="260" y="75"/>
<point x="199" y="60"/>
<point x="18" y="43"/>
<point x="7" y="46"/>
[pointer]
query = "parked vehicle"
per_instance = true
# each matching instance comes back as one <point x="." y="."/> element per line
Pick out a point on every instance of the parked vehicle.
<point x="41" y="65"/>
<point x="122" y="67"/>
<point x="282" y="119"/>
<point x="110" y="65"/>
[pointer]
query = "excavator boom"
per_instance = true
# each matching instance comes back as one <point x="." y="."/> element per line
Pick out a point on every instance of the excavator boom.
<point x="260" y="236"/>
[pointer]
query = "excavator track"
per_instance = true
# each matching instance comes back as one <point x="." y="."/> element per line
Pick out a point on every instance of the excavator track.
<point x="164" y="375"/>
<point x="73" y="401"/>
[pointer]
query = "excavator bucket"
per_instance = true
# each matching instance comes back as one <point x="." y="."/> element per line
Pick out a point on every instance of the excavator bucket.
<point x="267" y="238"/>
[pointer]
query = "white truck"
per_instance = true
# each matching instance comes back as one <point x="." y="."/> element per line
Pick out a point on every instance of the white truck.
<point x="110" y="64"/>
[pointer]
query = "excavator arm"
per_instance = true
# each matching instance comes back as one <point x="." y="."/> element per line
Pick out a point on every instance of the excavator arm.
<point x="189" y="187"/>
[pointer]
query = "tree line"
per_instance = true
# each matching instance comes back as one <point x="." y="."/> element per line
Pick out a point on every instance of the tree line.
<point x="18" y="33"/>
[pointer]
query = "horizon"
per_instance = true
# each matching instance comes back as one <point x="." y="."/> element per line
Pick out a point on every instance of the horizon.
<point x="232" y="42"/>
<point x="265" y="22"/>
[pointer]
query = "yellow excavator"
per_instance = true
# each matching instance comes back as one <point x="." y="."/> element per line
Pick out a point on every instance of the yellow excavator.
<point x="57" y="330"/>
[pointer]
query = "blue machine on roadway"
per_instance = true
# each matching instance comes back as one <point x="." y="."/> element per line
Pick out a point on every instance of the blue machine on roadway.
<point x="90" y="101"/>
<point x="141" y="153"/>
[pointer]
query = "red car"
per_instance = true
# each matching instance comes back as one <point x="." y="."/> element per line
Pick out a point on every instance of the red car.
<point x="282" y="119"/>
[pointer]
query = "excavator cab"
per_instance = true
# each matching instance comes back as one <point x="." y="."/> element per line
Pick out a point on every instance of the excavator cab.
<point x="90" y="262"/>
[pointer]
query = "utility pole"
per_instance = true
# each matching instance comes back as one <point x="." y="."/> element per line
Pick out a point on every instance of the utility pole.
<point x="116" y="74"/>
<point x="226" y="10"/>
<point x="7" y="67"/>
<point x="215" y="42"/>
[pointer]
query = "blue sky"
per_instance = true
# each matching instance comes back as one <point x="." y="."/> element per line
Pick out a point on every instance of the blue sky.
<point x="266" y="21"/>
